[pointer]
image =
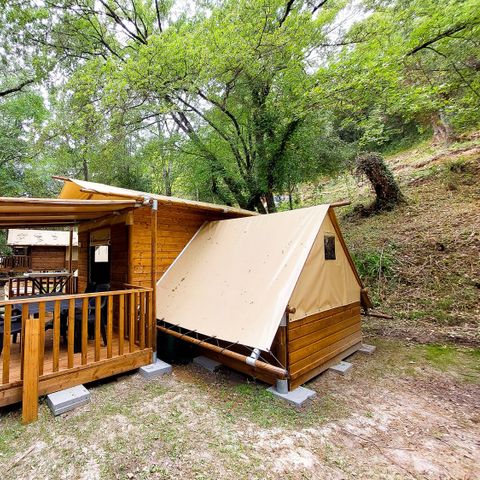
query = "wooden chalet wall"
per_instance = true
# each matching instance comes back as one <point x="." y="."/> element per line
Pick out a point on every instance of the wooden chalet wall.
<point x="175" y="228"/>
<point x="119" y="253"/>
<point x="49" y="258"/>
<point x="131" y="246"/>
<point x="83" y="240"/>
<point x="318" y="341"/>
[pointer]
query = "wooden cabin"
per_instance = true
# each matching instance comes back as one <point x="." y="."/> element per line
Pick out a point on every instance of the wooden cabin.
<point x="46" y="250"/>
<point x="262" y="294"/>
<point x="111" y="313"/>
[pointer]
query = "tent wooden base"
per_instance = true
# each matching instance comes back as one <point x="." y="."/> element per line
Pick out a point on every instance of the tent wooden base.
<point x="305" y="347"/>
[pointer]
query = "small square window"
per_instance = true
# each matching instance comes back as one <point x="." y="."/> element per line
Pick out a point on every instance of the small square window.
<point x="329" y="244"/>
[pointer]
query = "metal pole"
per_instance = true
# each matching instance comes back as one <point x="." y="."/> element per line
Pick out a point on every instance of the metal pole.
<point x="154" y="221"/>
<point x="70" y="262"/>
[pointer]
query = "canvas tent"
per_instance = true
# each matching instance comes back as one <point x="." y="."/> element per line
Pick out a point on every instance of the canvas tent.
<point x="237" y="278"/>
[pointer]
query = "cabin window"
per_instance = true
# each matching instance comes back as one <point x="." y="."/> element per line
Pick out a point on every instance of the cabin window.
<point x="329" y="244"/>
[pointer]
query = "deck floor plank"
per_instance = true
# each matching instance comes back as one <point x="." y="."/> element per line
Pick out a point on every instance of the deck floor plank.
<point x="15" y="355"/>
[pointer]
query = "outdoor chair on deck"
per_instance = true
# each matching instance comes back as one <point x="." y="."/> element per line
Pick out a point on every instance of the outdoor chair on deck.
<point x="15" y="327"/>
<point x="105" y="287"/>
<point x="64" y="313"/>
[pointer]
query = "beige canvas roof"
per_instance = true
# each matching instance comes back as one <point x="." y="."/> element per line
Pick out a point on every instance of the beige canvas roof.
<point x="81" y="189"/>
<point x="233" y="281"/>
<point x="51" y="238"/>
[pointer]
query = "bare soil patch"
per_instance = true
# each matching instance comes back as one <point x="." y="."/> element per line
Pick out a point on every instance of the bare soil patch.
<point x="401" y="413"/>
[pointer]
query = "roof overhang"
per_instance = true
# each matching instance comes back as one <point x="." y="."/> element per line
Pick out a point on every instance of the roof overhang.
<point x="43" y="212"/>
<point x="81" y="189"/>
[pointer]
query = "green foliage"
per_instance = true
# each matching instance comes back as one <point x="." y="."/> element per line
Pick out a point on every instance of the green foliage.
<point x="4" y="248"/>
<point x="373" y="166"/>
<point x="375" y="265"/>
<point x="237" y="102"/>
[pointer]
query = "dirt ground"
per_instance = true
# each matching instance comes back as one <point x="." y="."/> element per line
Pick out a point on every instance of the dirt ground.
<point x="407" y="411"/>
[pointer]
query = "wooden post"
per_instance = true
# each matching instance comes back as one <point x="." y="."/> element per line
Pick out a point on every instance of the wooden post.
<point x="70" y="262"/>
<point x="153" y="309"/>
<point x="31" y="340"/>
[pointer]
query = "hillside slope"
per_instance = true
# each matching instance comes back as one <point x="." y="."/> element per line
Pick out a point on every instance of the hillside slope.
<point x="422" y="260"/>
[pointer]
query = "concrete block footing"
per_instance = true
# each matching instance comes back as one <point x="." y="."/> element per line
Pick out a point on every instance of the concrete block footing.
<point x="342" y="368"/>
<point x="156" y="369"/>
<point x="296" y="397"/>
<point x="211" y="365"/>
<point x="66" y="400"/>
<point x="368" y="349"/>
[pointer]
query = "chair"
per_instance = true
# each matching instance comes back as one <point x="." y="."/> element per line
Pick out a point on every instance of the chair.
<point x="64" y="313"/>
<point x="91" y="318"/>
<point x="15" y="327"/>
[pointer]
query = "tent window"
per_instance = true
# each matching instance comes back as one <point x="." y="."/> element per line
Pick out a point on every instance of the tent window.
<point x="329" y="243"/>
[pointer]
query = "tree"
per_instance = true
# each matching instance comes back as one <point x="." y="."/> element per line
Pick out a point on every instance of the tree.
<point x="233" y="80"/>
<point x="387" y="192"/>
<point x="407" y="63"/>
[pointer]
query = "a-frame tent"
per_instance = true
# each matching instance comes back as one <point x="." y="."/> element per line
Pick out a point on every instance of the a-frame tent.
<point x="277" y="289"/>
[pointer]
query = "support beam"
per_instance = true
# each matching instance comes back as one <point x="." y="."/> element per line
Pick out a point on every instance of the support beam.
<point x="153" y="310"/>
<point x="31" y="340"/>
<point x="70" y="261"/>
<point x="259" y="365"/>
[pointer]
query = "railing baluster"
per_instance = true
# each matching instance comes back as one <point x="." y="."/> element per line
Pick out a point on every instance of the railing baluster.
<point x="7" y="324"/>
<point x="71" y="332"/>
<point x="109" y="326"/>
<point x="121" y="323"/>
<point x="97" y="327"/>
<point x="22" y="346"/>
<point x="41" y="347"/>
<point x="151" y="320"/>
<point x="142" y="320"/>
<point x="56" y="335"/>
<point x="84" y="331"/>
<point x="131" y="329"/>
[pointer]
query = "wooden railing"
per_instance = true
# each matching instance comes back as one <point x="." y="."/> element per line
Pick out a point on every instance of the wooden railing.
<point x="87" y="330"/>
<point x="15" y="262"/>
<point x="23" y="286"/>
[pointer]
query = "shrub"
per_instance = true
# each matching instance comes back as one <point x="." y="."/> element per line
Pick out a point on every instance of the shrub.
<point x="375" y="265"/>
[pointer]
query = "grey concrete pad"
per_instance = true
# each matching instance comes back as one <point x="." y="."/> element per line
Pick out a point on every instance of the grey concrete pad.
<point x="342" y="368"/>
<point x="368" y="349"/>
<point x="156" y="369"/>
<point x="296" y="397"/>
<point x="66" y="400"/>
<point x="207" y="363"/>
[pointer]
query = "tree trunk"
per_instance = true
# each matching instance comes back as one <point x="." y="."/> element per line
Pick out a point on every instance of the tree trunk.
<point x="386" y="189"/>
<point x="271" y="207"/>
<point x="85" y="169"/>
<point x="442" y="130"/>
<point x="167" y="181"/>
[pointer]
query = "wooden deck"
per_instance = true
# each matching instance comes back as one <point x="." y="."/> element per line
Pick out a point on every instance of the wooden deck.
<point x="53" y="361"/>
<point x="15" y="358"/>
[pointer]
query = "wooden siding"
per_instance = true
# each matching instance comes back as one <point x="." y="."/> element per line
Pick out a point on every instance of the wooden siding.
<point x="119" y="254"/>
<point x="49" y="258"/>
<point x="175" y="229"/>
<point x="316" y="340"/>
<point x="83" y="239"/>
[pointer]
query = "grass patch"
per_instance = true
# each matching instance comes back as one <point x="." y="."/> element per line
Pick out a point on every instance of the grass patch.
<point x="449" y="357"/>
<point x="254" y="403"/>
<point x="373" y="265"/>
